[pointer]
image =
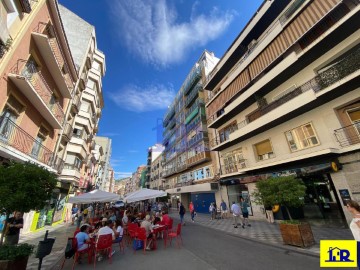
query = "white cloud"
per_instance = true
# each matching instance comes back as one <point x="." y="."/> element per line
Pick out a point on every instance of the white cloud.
<point x="151" y="29"/>
<point x="140" y="99"/>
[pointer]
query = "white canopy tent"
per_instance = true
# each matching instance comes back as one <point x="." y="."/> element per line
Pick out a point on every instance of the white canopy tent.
<point x="144" y="194"/>
<point x="95" y="196"/>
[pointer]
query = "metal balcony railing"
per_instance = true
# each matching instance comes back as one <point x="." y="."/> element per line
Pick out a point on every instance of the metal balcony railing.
<point x="198" y="137"/>
<point x="35" y="78"/>
<point x="195" y="122"/>
<point x="348" y="135"/>
<point x="233" y="167"/>
<point x="193" y="94"/>
<point x="196" y="104"/>
<point x="14" y="136"/>
<point x="193" y="77"/>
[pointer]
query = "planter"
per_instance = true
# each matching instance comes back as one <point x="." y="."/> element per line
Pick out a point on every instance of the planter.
<point x="299" y="235"/>
<point x="18" y="264"/>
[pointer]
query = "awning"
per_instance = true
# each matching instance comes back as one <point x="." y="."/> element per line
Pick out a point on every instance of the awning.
<point x="95" y="196"/>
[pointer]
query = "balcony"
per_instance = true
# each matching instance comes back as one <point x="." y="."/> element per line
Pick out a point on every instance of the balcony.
<point x="344" y="72"/>
<point x="71" y="172"/>
<point x="193" y="77"/>
<point x="11" y="135"/>
<point x="76" y="103"/>
<point x="195" y="123"/>
<point x="46" y="40"/>
<point x="67" y="132"/>
<point x="198" y="158"/>
<point x="33" y="85"/>
<point x="169" y="172"/>
<point x="181" y="166"/>
<point x="348" y="135"/>
<point x="92" y="145"/>
<point x="233" y="167"/>
<point x="193" y="107"/>
<point x="193" y="94"/>
<point x="198" y="137"/>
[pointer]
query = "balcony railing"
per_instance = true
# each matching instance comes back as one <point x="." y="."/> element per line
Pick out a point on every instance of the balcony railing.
<point x="14" y="136"/>
<point x="198" y="137"/>
<point x="348" y="135"/>
<point x="202" y="156"/>
<point x="193" y="94"/>
<point x="233" y="167"/>
<point x="35" y="78"/>
<point x="68" y="130"/>
<point x="193" y="107"/>
<point x="193" y="77"/>
<point x="76" y="103"/>
<point x="195" y="122"/>
<point x="49" y="30"/>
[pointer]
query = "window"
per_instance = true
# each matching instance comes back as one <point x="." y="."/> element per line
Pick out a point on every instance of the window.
<point x="30" y="68"/>
<point x="354" y="115"/>
<point x="8" y="117"/>
<point x="85" y="106"/>
<point x="77" y="132"/>
<point x="301" y="137"/>
<point x="264" y="150"/>
<point x="225" y="132"/>
<point x="38" y="144"/>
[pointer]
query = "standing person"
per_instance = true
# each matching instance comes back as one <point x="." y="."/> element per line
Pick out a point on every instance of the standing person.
<point x="182" y="213"/>
<point x="14" y="225"/>
<point x="245" y="212"/>
<point x="74" y="212"/>
<point x="354" y="208"/>
<point x="192" y="211"/>
<point x="235" y="209"/>
<point x="223" y="209"/>
<point x="90" y="211"/>
<point x="211" y="210"/>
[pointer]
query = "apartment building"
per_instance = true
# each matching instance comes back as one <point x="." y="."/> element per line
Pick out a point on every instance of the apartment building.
<point x="285" y="100"/>
<point x="156" y="175"/>
<point x="37" y="86"/>
<point x="103" y="177"/>
<point x="153" y="154"/>
<point x="82" y="155"/>
<point x="188" y="168"/>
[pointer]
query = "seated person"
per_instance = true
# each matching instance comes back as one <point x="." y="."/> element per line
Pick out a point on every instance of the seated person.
<point x="103" y="222"/>
<point x="118" y="230"/>
<point x="156" y="219"/>
<point x="112" y="217"/>
<point x="165" y="218"/>
<point x="107" y="229"/>
<point x="83" y="239"/>
<point x="149" y="232"/>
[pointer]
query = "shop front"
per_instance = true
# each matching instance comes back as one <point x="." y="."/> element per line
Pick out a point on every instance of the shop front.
<point x="322" y="205"/>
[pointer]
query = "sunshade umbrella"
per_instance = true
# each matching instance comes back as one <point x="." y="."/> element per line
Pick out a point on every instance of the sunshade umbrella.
<point x="95" y="196"/>
<point x="144" y="194"/>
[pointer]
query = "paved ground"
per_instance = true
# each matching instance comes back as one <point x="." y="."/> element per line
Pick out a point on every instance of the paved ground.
<point x="260" y="232"/>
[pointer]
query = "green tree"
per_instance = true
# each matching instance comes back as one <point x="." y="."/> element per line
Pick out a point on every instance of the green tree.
<point x="286" y="191"/>
<point x="24" y="187"/>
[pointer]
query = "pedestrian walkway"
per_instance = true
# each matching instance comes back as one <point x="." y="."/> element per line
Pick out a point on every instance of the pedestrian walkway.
<point x="61" y="232"/>
<point x="268" y="233"/>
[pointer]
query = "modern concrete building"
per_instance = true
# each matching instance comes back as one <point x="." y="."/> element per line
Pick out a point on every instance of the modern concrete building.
<point x="188" y="169"/>
<point x="78" y="148"/>
<point x="37" y="87"/>
<point x="285" y="100"/>
<point x="103" y="180"/>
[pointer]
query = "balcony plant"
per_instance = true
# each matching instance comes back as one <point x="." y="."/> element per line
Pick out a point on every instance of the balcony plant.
<point x="15" y="256"/>
<point x="287" y="191"/>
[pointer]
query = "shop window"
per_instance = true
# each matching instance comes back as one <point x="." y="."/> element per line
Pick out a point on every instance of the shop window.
<point x="264" y="150"/>
<point x="302" y="137"/>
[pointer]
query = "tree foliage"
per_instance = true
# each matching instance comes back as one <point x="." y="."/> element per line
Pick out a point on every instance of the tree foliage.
<point x="287" y="191"/>
<point x="25" y="187"/>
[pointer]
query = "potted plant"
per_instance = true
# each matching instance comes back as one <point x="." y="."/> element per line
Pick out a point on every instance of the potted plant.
<point x="15" y="256"/>
<point x="287" y="191"/>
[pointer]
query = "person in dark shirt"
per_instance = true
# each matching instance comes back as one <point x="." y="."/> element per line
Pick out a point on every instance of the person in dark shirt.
<point x="14" y="225"/>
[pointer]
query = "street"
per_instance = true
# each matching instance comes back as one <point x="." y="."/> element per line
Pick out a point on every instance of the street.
<point x="206" y="248"/>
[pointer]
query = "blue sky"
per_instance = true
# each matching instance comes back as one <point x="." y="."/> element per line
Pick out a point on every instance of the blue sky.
<point x="150" y="46"/>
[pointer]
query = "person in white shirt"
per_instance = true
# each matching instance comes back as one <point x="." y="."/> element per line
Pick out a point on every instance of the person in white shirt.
<point x="118" y="230"/>
<point x="90" y="211"/>
<point x="235" y="209"/>
<point x="104" y="231"/>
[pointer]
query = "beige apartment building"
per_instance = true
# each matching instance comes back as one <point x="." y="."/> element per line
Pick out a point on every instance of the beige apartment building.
<point x="189" y="167"/>
<point x="37" y="86"/>
<point x="156" y="174"/>
<point x="154" y="166"/>
<point x="285" y="100"/>
<point x="78" y="148"/>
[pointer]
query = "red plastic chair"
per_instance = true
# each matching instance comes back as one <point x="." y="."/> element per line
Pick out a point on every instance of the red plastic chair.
<point x="141" y="235"/>
<point x="104" y="242"/>
<point x="176" y="234"/>
<point x="132" y="229"/>
<point x="88" y="251"/>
